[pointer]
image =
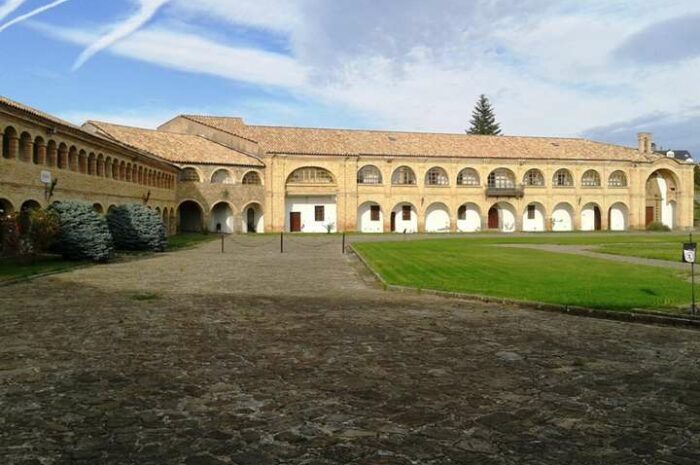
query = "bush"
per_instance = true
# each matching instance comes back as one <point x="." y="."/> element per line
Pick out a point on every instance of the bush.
<point x="656" y="226"/>
<point x="28" y="233"/>
<point x="136" y="227"/>
<point x="84" y="233"/>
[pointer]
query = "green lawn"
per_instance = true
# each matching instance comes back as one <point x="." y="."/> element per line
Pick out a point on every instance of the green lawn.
<point x="14" y="269"/>
<point x="670" y="251"/>
<point x="183" y="240"/>
<point x="479" y="266"/>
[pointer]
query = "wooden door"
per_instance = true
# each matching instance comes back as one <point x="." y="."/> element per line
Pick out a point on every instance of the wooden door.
<point x="493" y="218"/>
<point x="596" y="216"/>
<point x="295" y="221"/>
<point x="251" y="220"/>
<point x="649" y="215"/>
<point x="393" y="221"/>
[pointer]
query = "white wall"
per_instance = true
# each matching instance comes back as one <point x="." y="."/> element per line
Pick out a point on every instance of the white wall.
<point x="670" y="214"/>
<point x="306" y="206"/>
<point x="535" y="224"/>
<point x="472" y="221"/>
<point x="410" y="226"/>
<point x="562" y="218"/>
<point x="618" y="217"/>
<point x="506" y="218"/>
<point x="259" y="220"/>
<point x="221" y="213"/>
<point x="588" y="217"/>
<point x="666" y="209"/>
<point x="364" y="219"/>
<point x="437" y="219"/>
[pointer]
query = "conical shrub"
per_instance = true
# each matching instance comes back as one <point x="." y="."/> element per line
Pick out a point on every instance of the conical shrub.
<point x="84" y="234"/>
<point x="136" y="227"/>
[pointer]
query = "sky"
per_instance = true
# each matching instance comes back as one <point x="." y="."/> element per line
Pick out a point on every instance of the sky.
<point x="599" y="69"/>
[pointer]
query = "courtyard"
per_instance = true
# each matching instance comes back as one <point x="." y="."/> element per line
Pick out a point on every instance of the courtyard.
<point x="254" y="357"/>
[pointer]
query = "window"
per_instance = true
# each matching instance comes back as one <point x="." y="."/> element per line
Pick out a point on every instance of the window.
<point x="534" y="177"/>
<point x="403" y="175"/>
<point x="501" y="179"/>
<point x="468" y="177"/>
<point x="436" y="177"/>
<point x="222" y="176"/>
<point x="252" y="177"/>
<point x="319" y="213"/>
<point x="310" y="175"/>
<point x="530" y="212"/>
<point x="406" y="213"/>
<point x="186" y="175"/>
<point x="369" y="175"/>
<point x="462" y="213"/>
<point x="590" y="178"/>
<point x="562" y="178"/>
<point x="617" y="179"/>
<point x="374" y="213"/>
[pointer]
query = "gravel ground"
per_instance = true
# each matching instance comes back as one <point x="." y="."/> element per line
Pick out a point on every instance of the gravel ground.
<point x="256" y="357"/>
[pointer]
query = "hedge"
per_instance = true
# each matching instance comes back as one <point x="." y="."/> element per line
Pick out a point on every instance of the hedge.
<point x="83" y="232"/>
<point x="136" y="227"/>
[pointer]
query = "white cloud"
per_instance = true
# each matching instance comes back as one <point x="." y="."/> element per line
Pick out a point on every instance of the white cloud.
<point x="9" y="6"/>
<point x="31" y="14"/>
<point x="273" y="15"/>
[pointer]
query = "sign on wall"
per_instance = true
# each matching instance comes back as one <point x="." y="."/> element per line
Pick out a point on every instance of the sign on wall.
<point x="689" y="249"/>
<point x="46" y="177"/>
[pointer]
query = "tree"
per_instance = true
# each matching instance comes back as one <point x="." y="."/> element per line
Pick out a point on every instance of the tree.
<point x="136" y="227"/>
<point x="483" y="119"/>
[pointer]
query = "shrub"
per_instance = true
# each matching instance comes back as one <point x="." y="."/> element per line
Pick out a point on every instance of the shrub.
<point x="10" y="238"/>
<point x="84" y="233"/>
<point x="657" y="226"/>
<point x="27" y="233"/>
<point x="136" y="227"/>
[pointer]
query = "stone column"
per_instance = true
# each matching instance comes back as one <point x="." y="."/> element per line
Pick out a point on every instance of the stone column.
<point x="12" y="148"/>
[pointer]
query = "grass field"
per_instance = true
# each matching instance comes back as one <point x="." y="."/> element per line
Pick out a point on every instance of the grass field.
<point x="189" y="239"/>
<point x="479" y="266"/>
<point x="670" y="251"/>
<point x="14" y="269"/>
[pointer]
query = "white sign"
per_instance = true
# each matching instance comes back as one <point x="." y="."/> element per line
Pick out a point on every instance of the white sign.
<point x="689" y="256"/>
<point x="46" y="177"/>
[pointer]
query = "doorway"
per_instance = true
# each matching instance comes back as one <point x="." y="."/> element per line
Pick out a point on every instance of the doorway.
<point x="295" y="221"/>
<point x="493" y="218"/>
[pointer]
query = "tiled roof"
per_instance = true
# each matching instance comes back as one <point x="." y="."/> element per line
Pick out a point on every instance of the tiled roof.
<point x="275" y="139"/>
<point x="177" y="148"/>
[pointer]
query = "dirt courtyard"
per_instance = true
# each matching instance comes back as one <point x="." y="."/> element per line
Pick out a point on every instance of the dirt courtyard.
<point x="253" y="357"/>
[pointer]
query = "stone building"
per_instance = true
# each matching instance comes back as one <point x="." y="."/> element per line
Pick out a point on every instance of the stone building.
<point x="223" y="174"/>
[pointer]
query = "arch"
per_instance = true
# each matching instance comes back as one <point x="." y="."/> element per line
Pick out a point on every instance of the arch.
<point x="127" y="172"/>
<point x="221" y="176"/>
<point x="501" y="178"/>
<point x="158" y="210"/>
<point x="187" y="174"/>
<point x="25" y="147"/>
<point x="51" y="153"/>
<point x="73" y="158"/>
<point x="661" y="190"/>
<point x="62" y="156"/>
<point x="591" y="217"/>
<point x="135" y="173"/>
<point x="618" y="215"/>
<point x="436" y="176"/>
<point x="82" y="162"/>
<point x="111" y="207"/>
<point x="165" y="218"/>
<point x="92" y="164"/>
<point x="469" y="218"/>
<point x="403" y="176"/>
<point x="139" y="175"/>
<point x="591" y="178"/>
<point x="404" y="218"/>
<point x="191" y="216"/>
<point x="29" y="205"/>
<point x="115" y="169"/>
<point x="501" y="216"/>
<point x="98" y="208"/>
<point x="10" y="143"/>
<point x="563" y="217"/>
<point x="100" y="165"/>
<point x="310" y="175"/>
<point x="534" y="217"/>
<point x="122" y="170"/>
<point x="533" y="178"/>
<point x="6" y="207"/>
<point x="369" y="174"/>
<point x="252" y="178"/>
<point x="108" y="167"/>
<point x="370" y="218"/>
<point x="252" y="219"/>
<point x="617" y="178"/>
<point x="437" y="218"/>
<point x="563" y="178"/>
<point x="221" y="218"/>
<point x="39" y="151"/>
<point x="468" y="177"/>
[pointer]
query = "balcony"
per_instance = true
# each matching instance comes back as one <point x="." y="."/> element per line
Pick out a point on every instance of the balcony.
<point x="512" y="192"/>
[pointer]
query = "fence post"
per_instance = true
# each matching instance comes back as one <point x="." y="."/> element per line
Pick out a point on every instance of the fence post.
<point x="222" y="242"/>
<point x="343" y="243"/>
<point x="282" y="242"/>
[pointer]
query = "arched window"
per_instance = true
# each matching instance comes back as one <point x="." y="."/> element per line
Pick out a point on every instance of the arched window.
<point x="252" y="177"/>
<point x="222" y="176"/>
<point x="590" y="178"/>
<point x="403" y="176"/>
<point x="617" y="179"/>
<point x="468" y="177"/>
<point x="563" y="178"/>
<point x="369" y="175"/>
<point x="501" y="178"/>
<point x="436" y="177"/>
<point x="534" y="177"/>
<point x="188" y="175"/>
<point x="310" y="175"/>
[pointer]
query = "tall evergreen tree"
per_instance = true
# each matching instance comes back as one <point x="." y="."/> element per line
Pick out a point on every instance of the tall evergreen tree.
<point x="483" y="119"/>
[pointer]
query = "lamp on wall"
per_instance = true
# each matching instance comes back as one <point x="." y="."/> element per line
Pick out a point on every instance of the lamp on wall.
<point x="146" y="197"/>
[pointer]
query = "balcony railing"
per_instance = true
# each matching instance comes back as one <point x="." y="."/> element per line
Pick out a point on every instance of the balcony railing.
<point x="517" y="192"/>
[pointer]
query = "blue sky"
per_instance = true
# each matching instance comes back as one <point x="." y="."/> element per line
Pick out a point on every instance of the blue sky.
<point x="597" y="69"/>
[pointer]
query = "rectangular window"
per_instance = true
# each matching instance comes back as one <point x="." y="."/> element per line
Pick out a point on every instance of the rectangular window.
<point x="530" y="212"/>
<point x="319" y="213"/>
<point x="406" y="213"/>
<point x="374" y="213"/>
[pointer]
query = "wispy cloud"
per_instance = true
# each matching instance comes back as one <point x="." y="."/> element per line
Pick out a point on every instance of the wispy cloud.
<point x="9" y="6"/>
<point x="147" y="9"/>
<point x="31" y="14"/>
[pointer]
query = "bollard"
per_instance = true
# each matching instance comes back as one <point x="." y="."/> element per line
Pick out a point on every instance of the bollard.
<point x="282" y="242"/>
<point x="222" y="242"/>
<point x="343" y="243"/>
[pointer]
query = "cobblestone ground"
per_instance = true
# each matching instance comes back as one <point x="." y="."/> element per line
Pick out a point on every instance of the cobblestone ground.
<point x="252" y="357"/>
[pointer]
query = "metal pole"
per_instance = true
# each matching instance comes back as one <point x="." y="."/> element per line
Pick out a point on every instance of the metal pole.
<point x="343" y="242"/>
<point x="692" y="279"/>
<point x="282" y="242"/>
<point x="222" y="242"/>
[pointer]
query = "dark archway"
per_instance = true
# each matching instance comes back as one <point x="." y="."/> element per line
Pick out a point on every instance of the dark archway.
<point x="191" y="217"/>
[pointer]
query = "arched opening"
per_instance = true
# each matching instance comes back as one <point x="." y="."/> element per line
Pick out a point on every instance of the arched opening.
<point x="469" y="218"/>
<point x="437" y="218"/>
<point x="51" y="154"/>
<point x="563" y="218"/>
<point x="311" y="175"/>
<point x="191" y="217"/>
<point x="25" y="147"/>
<point x="370" y="218"/>
<point x="73" y="158"/>
<point x="30" y="205"/>
<point x="6" y="207"/>
<point x="534" y="218"/>
<point x="618" y="217"/>
<point x="62" y="156"/>
<point x="39" y="151"/>
<point x="253" y="221"/>
<point x="436" y="176"/>
<point x="186" y="175"/>
<point x="661" y="198"/>
<point x="111" y="208"/>
<point x="252" y="178"/>
<point x="533" y="178"/>
<point x="10" y="143"/>
<point x="310" y="204"/>
<point x="222" y="176"/>
<point x="591" y="217"/>
<point x="617" y="179"/>
<point x="403" y="176"/>
<point x="404" y="218"/>
<point x="221" y="218"/>
<point x="369" y="174"/>
<point x="98" y="208"/>
<point x="501" y="217"/>
<point x="468" y="177"/>
<point x="590" y="178"/>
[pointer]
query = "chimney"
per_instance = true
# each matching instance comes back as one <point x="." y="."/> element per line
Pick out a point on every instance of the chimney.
<point x="644" y="142"/>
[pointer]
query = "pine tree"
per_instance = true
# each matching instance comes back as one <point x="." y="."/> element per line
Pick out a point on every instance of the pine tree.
<point x="483" y="119"/>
